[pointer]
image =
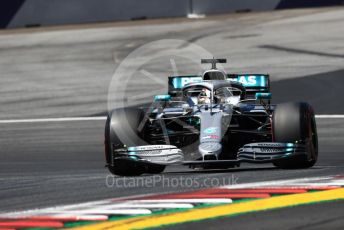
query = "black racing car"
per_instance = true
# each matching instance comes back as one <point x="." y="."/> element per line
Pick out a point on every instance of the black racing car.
<point x="216" y="120"/>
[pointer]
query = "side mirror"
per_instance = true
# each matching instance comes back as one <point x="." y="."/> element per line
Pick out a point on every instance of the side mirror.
<point x="162" y="98"/>
<point x="262" y="96"/>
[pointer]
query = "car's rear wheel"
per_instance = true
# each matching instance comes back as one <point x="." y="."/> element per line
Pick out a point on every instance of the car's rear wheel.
<point x="295" y="122"/>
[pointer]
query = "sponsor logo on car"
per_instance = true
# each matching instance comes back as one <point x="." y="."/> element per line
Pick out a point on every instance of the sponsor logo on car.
<point x="210" y="130"/>
<point x="179" y="83"/>
<point x="211" y="137"/>
<point x="252" y="80"/>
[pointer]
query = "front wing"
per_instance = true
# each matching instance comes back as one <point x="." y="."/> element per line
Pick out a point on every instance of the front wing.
<point x="263" y="152"/>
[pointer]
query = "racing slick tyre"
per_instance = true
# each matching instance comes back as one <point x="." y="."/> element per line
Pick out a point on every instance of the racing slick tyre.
<point x="120" y="130"/>
<point x="295" y="122"/>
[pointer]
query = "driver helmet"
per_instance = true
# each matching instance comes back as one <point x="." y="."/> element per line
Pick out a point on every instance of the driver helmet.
<point x="204" y="96"/>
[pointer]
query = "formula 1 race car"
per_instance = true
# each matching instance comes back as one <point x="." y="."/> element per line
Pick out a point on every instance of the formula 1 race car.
<point x="216" y="120"/>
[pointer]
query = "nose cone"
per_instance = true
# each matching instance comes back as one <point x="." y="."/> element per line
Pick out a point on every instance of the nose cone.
<point x="210" y="148"/>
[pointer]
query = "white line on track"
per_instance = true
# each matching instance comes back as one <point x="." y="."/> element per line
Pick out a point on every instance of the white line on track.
<point x="134" y="205"/>
<point x="76" y="217"/>
<point x="60" y="119"/>
<point x="333" y="116"/>
<point x="192" y="201"/>
<point x="103" y="211"/>
<point x="103" y="118"/>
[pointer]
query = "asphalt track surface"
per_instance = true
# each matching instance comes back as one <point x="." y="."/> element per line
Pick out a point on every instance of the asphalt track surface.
<point x="66" y="72"/>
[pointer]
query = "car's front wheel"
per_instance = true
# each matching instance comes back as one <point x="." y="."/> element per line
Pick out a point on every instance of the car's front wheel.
<point x="120" y="131"/>
<point x="295" y="122"/>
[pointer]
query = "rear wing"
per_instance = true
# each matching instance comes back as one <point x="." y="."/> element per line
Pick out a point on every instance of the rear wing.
<point x="253" y="83"/>
<point x="176" y="83"/>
